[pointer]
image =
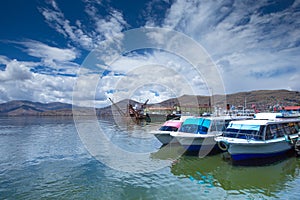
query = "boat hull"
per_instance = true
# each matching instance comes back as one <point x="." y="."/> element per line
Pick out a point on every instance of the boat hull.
<point x="196" y="142"/>
<point x="240" y="152"/>
<point x="165" y="137"/>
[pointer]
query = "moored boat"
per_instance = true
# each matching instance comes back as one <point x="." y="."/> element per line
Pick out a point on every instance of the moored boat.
<point x="266" y="136"/>
<point x="198" y="133"/>
<point x="164" y="132"/>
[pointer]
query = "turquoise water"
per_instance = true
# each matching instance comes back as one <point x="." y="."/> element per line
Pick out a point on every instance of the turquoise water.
<point x="45" y="158"/>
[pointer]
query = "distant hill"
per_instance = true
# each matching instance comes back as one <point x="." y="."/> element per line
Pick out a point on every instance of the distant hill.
<point x="18" y="108"/>
<point x="262" y="99"/>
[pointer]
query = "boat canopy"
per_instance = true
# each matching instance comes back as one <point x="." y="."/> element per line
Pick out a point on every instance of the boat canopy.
<point x="268" y="116"/>
<point x="172" y="123"/>
<point x="198" y="121"/>
<point x="196" y="125"/>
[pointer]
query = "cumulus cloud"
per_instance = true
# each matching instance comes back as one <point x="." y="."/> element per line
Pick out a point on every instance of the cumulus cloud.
<point x="15" y="71"/>
<point x="19" y="82"/>
<point x="52" y="60"/>
<point x="250" y="43"/>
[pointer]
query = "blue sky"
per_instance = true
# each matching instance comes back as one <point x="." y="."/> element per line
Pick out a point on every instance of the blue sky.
<point x="254" y="44"/>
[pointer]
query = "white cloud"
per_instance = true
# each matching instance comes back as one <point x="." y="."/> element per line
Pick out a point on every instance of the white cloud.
<point x="252" y="49"/>
<point x="112" y="27"/>
<point x="53" y="58"/>
<point x="15" y="71"/>
<point x="18" y="82"/>
<point x="86" y="37"/>
<point x="243" y="40"/>
<point x="4" y="60"/>
<point x="46" y="52"/>
<point x="163" y="75"/>
<point x="55" y="18"/>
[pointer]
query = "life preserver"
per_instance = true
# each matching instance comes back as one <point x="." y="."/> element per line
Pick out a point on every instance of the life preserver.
<point x="223" y="145"/>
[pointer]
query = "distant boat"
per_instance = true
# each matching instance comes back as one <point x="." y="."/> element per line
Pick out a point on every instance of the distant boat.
<point x="164" y="132"/>
<point x="136" y="113"/>
<point x="267" y="135"/>
<point x="199" y="132"/>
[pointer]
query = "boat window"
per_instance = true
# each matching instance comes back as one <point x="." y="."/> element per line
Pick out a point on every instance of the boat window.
<point x="206" y="123"/>
<point x="261" y="132"/>
<point x="287" y="128"/>
<point x="244" y="126"/>
<point x="273" y="130"/>
<point x="270" y="133"/>
<point x="291" y="127"/>
<point x="168" y="128"/>
<point x="202" y="130"/>
<point x="297" y="126"/>
<point x="280" y="130"/>
<point x="226" y="123"/>
<point x="232" y="130"/>
<point x="199" y="121"/>
<point x="249" y="132"/>
<point x="189" y="128"/>
<point x="277" y="130"/>
<point x="218" y="125"/>
<point x="245" y="132"/>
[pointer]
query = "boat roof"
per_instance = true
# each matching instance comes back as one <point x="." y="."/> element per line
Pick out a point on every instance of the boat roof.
<point x="173" y="123"/>
<point x="196" y="120"/>
<point x="267" y="115"/>
<point x="229" y="117"/>
<point x="265" y="121"/>
<point x="250" y="122"/>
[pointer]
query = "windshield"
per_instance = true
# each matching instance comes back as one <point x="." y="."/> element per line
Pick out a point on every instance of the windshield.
<point x="168" y="128"/>
<point x="244" y="131"/>
<point x="193" y="128"/>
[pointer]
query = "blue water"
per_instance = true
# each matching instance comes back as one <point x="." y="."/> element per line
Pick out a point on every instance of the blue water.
<point x="45" y="158"/>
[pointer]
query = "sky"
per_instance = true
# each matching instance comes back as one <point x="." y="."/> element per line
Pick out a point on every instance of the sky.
<point x="46" y="48"/>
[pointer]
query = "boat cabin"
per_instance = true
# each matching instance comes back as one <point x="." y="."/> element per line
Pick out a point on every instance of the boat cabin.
<point x="262" y="129"/>
<point x="203" y="125"/>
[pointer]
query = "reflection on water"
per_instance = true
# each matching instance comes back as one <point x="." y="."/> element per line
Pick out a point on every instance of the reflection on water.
<point x="45" y="158"/>
<point x="214" y="172"/>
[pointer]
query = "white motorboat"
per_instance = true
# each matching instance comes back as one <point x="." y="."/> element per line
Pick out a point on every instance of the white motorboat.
<point x="267" y="135"/>
<point x="164" y="132"/>
<point x="198" y="133"/>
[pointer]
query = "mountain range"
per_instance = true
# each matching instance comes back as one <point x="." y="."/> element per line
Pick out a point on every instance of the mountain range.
<point x="262" y="99"/>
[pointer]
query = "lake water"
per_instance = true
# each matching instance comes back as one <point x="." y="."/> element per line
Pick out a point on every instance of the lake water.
<point x="47" y="158"/>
